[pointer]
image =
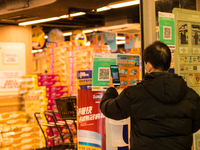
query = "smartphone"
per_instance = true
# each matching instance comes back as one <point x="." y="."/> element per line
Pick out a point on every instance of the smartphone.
<point x="115" y="74"/>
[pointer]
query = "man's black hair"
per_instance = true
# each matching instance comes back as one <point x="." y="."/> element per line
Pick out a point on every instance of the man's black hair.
<point x="159" y="55"/>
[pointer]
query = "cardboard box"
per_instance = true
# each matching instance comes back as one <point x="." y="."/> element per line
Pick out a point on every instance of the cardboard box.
<point x="53" y="95"/>
<point x="56" y="88"/>
<point x="48" y="83"/>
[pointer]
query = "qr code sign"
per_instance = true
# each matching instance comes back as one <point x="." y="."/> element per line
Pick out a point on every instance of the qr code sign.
<point x="104" y="74"/>
<point x="167" y="33"/>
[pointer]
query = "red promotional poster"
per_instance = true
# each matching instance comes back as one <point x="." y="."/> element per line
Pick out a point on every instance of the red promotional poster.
<point x="91" y="122"/>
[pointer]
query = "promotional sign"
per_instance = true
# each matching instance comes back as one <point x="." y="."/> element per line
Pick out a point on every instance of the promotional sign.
<point x="78" y="37"/>
<point x="10" y="58"/>
<point x="133" y="44"/>
<point x="38" y="39"/>
<point x="105" y="38"/>
<point x="101" y="70"/>
<point x="10" y="80"/>
<point x="90" y="120"/>
<point x="129" y="69"/>
<point x="167" y="29"/>
<point x="84" y="80"/>
<point x="55" y="35"/>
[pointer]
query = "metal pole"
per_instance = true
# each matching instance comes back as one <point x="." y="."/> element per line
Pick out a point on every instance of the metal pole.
<point x="148" y="25"/>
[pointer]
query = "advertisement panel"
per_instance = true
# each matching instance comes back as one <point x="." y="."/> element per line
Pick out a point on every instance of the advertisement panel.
<point x="105" y="38"/>
<point x="129" y="69"/>
<point x="167" y="29"/>
<point x="90" y="120"/>
<point x="101" y="70"/>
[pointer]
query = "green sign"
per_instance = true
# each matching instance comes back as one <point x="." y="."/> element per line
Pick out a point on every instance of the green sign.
<point x="167" y="29"/>
<point x="101" y="70"/>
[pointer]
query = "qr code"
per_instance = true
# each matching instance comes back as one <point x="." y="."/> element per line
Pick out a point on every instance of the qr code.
<point x="104" y="74"/>
<point x="167" y="33"/>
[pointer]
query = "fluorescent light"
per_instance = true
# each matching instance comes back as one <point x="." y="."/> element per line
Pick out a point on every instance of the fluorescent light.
<point x="95" y="29"/>
<point x="120" y="38"/>
<point x="77" y="14"/>
<point x="35" y="51"/>
<point x="87" y="31"/>
<point x="51" y="19"/>
<point x="46" y="37"/>
<point x="67" y="34"/>
<point x="64" y="16"/>
<point x="39" y="50"/>
<point x="38" y="21"/>
<point x="125" y="4"/>
<point x="120" y="42"/>
<point x="103" y="9"/>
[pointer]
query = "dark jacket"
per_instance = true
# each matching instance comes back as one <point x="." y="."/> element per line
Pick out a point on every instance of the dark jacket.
<point x="164" y="112"/>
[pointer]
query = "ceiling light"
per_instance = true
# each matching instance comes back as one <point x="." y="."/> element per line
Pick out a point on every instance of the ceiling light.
<point x="39" y="50"/>
<point x="103" y="9"/>
<point x="64" y="16"/>
<point x="87" y="31"/>
<point x="34" y="51"/>
<point x="124" y="4"/>
<point x="67" y="34"/>
<point x="51" y="19"/>
<point x="38" y="21"/>
<point x="120" y="42"/>
<point x="77" y="14"/>
<point x="120" y="38"/>
<point x="46" y="37"/>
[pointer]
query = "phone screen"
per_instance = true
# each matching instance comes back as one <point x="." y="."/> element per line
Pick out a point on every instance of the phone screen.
<point x="115" y="75"/>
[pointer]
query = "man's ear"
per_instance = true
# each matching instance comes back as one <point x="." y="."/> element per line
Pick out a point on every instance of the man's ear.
<point x="149" y="67"/>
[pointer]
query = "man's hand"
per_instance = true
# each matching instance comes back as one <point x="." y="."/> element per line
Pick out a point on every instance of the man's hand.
<point x="111" y="83"/>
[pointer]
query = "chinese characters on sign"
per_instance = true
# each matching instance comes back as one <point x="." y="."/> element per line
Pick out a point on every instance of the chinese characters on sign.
<point x="10" y="80"/>
<point x="85" y="114"/>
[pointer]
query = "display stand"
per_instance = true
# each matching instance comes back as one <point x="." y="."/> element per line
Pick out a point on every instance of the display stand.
<point x="187" y="53"/>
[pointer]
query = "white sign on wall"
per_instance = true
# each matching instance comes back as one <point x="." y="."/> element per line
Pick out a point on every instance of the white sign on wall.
<point x="10" y="80"/>
<point x="10" y="58"/>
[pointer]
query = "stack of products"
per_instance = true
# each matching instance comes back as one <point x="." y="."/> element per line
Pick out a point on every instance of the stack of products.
<point x="65" y="59"/>
<point x="43" y="88"/>
<point x="16" y="133"/>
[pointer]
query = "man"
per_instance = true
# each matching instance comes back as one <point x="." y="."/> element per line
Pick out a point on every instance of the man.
<point x="164" y="111"/>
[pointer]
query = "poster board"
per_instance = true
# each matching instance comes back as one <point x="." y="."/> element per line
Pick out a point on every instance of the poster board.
<point x="12" y="67"/>
<point x="187" y="53"/>
<point x="101" y="70"/>
<point x="129" y="70"/>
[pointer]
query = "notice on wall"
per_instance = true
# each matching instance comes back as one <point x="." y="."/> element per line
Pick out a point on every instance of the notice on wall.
<point x="167" y="29"/>
<point x="10" y="58"/>
<point x="129" y="69"/>
<point x="10" y="80"/>
<point x="101" y="70"/>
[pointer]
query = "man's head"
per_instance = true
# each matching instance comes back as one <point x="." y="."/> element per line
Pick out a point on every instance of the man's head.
<point x="158" y="55"/>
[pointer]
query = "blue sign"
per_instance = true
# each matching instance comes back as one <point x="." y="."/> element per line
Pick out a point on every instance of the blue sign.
<point x="84" y="79"/>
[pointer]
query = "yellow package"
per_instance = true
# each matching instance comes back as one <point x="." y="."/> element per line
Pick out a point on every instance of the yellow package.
<point x="13" y="115"/>
<point x="27" y="146"/>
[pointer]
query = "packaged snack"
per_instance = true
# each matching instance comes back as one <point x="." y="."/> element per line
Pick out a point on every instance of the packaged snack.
<point x="48" y="83"/>
<point x="48" y="77"/>
<point x="56" y="94"/>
